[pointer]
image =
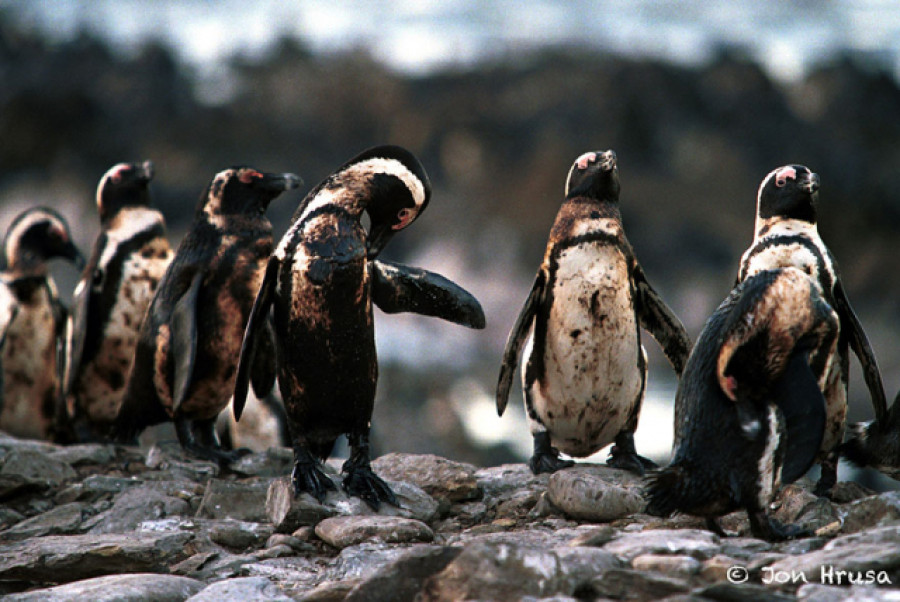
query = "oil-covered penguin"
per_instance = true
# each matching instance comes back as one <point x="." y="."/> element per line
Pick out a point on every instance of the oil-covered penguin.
<point x="786" y="234"/>
<point x="320" y="284"/>
<point x="129" y="258"/>
<point x="190" y="340"/>
<point x="32" y="320"/>
<point x="749" y="412"/>
<point x="584" y="371"/>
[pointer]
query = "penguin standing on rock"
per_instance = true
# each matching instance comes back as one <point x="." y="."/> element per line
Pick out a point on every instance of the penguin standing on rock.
<point x="786" y="235"/>
<point x="749" y="412"/>
<point x="585" y="369"/>
<point x="129" y="258"/>
<point x="189" y="342"/>
<point x="31" y="322"/>
<point x="320" y="285"/>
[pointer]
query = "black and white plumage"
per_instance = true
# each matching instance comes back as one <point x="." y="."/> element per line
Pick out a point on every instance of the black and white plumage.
<point x="584" y="371"/>
<point x="749" y="412"/>
<point x="876" y="443"/>
<point x="786" y="234"/>
<point x="320" y="284"/>
<point x="31" y="322"/>
<point x="189" y="342"/>
<point x="129" y="258"/>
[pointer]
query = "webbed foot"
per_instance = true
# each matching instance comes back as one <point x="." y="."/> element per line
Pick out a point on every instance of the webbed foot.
<point x="546" y="457"/>
<point x="630" y="461"/>
<point x="361" y="481"/>
<point x="308" y="477"/>
<point x="765" y="527"/>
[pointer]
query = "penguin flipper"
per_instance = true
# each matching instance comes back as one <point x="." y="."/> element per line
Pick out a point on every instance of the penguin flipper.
<point x="184" y="339"/>
<point x="656" y="317"/>
<point x="78" y="320"/>
<point x="798" y="396"/>
<point x="256" y="327"/>
<point x="262" y="372"/>
<point x="516" y="339"/>
<point x="851" y="325"/>
<point x="401" y="288"/>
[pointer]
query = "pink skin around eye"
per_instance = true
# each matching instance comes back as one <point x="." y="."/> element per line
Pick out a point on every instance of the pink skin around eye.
<point x="784" y="174"/>
<point x="584" y="160"/>
<point x="405" y="216"/>
<point x="730" y="386"/>
<point x="117" y="175"/>
<point x="249" y="176"/>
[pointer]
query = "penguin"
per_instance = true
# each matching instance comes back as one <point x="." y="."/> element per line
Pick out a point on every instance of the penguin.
<point x="585" y="370"/>
<point x="189" y="341"/>
<point x="32" y="319"/>
<point x="749" y="411"/>
<point x="876" y="443"/>
<point x="320" y="285"/>
<point x="786" y="234"/>
<point x="129" y="258"/>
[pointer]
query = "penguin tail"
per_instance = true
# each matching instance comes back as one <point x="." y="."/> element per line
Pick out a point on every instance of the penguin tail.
<point x="858" y="448"/>
<point x="663" y="490"/>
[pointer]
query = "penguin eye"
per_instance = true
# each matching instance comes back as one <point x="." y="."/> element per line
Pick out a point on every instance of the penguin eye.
<point x="780" y="182"/>
<point x="404" y="217"/>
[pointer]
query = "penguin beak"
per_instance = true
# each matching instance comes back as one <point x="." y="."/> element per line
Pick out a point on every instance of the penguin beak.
<point x="146" y="172"/>
<point x="71" y="252"/>
<point x="811" y="183"/>
<point x="607" y="160"/>
<point x="279" y="182"/>
<point x="379" y="236"/>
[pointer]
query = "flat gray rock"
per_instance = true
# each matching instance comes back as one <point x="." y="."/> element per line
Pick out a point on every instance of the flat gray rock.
<point x="136" y="587"/>
<point x="136" y="505"/>
<point x="239" y="535"/>
<point x="65" y="558"/>
<point x="438" y="477"/>
<point x="36" y="467"/>
<point x="80" y="455"/>
<point x="344" y="531"/>
<point x="690" y="542"/>
<point x="243" y="589"/>
<point x="871" y="511"/>
<point x="240" y="500"/>
<point x="402" y="579"/>
<point x="58" y="521"/>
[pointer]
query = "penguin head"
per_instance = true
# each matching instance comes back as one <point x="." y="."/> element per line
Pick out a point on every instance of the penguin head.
<point x="791" y="192"/>
<point x="124" y="185"/>
<point x="244" y="191"/>
<point x="397" y="187"/>
<point x="37" y="235"/>
<point x="594" y="175"/>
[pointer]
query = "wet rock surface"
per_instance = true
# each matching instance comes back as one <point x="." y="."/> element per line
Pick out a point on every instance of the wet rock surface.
<point x="114" y="523"/>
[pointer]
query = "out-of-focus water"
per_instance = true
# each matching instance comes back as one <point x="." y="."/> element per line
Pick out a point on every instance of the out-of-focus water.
<point x="421" y="35"/>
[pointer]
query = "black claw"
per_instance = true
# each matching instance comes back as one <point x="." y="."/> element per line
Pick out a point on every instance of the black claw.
<point x="307" y="477"/>
<point x="546" y="457"/>
<point x="629" y="461"/>
<point x="361" y="482"/>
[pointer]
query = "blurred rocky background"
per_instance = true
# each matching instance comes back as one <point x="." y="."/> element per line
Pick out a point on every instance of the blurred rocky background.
<point x="497" y="135"/>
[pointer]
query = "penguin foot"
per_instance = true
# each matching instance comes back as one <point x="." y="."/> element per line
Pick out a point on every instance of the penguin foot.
<point x="765" y="527"/>
<point x="546" y="457"/>
<point x="714" y="526"/>
<point x="548" y="462"/>
<point x="307" y="477"/>
<point x="827" y="478"/>
<point x="629" y="461"/>
<point x="210" y="453"/>
<point x="363" y="483"/>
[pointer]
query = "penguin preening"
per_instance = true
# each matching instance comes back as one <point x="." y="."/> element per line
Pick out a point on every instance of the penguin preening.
<point x="31" y="322"/>
<point x="190" y="339"/>
<point x="585" y="370"/>
<point x="129" y="258"/>
<point x="749" y="412"/>
<point x="320" y="284"/>
<point x="876" y="443"/>
<point x="786" y="234"/>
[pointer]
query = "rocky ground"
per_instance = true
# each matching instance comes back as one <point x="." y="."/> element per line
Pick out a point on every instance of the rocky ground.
<point x="110" y="523"/>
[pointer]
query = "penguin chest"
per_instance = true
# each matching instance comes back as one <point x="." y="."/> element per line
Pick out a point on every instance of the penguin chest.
<point x="29" y="368"/>
<point x="102" y="383"/>
<point x="326" y="338"/>
<point x="591" y="354"/>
